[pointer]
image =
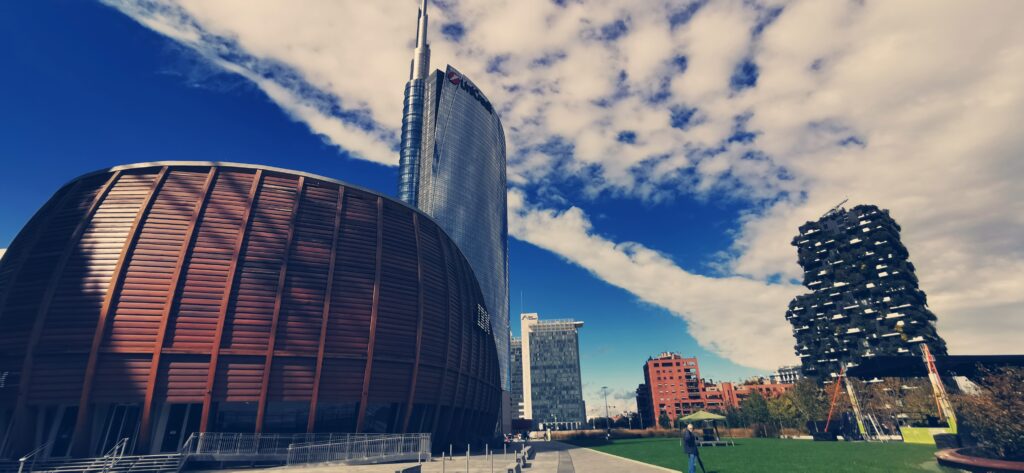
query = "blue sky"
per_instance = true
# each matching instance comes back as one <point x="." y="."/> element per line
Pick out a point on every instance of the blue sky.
<point x="660" y="161"/>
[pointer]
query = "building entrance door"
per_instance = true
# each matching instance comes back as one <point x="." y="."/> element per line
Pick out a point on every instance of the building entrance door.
<point x="61" y="431"/>
<point x="180" y="421"/>
<point x="122" y="421"/>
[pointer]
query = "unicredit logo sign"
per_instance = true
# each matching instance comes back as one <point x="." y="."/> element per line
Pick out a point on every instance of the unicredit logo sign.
<point x="465" y="84"/>
<point x="454" y="77"/>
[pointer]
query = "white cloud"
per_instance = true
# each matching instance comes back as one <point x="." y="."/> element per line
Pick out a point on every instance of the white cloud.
<point x="737" y="317"/>
<point x="927" y="96"/>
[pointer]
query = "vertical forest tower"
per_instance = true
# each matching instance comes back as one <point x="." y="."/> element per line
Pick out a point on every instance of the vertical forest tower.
<point x="864" y="298"/>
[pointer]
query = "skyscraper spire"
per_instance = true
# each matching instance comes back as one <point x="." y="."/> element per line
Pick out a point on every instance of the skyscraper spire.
<point x="412" y="116"/>
<point x="421" y="57"/>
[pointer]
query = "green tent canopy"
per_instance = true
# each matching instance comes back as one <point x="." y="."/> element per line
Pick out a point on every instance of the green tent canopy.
<point x="701" y="416"/>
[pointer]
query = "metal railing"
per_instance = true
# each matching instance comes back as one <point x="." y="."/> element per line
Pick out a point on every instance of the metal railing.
<point x="362" y="448"/>
<point x="304" y="447"/>
<point x="31" y="456"/>
<point x="115" y="454"/>
<point x="247" y="445"/>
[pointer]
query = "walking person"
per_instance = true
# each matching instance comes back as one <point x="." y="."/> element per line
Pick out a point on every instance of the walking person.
<point x="690" y="448"/>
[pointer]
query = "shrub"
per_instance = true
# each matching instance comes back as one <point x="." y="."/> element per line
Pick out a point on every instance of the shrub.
<point x="994" y="416"/>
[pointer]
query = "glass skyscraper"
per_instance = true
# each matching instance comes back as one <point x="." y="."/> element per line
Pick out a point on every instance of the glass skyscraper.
<point x="452" y="167"/>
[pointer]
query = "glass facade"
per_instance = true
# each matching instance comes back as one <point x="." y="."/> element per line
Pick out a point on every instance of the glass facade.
<point x="412" y="136"/>
<point x="516" y="395"/>
<point x="556" y="387"/>
<point x="462" y="186"/>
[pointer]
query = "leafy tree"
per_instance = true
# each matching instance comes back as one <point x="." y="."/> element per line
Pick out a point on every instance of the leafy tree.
<point x="664" y="421"/>
<point x="809" y="399"/>
<point x="755" y="411"/>
<point x="783" y="410"/>
<point x="755" y="408"/>
<point x="994" y="416"/>
<point x="734" y="417"/>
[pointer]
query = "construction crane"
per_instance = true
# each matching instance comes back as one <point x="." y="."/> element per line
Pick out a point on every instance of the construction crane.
<point x="835" y="209"/>
<point x="939" y="390"/>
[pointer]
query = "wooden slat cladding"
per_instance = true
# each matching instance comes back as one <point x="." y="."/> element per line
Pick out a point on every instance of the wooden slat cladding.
<point x="262" y="259"/>
<point x="121" y="378"/>
<point x="56" y="379"/>
<point x="206" y="270"/>
<point x="239" y="379"/>
<point x="233" y="284"/>
<point x="182" y="378"/>
<point x="348" y="328"/>
<point x="298" y="328"/>
<point x="72" y="316"/>
<point x="137" y="311"/>
<point x="24" y="290"/>
<point x="291" y="379"/>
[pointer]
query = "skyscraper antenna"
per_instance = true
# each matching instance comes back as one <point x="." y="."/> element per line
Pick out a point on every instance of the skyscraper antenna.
<point x="421" y="57"/>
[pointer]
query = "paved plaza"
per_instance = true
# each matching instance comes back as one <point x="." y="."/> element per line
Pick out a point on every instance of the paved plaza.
<point x="551" y="457"/>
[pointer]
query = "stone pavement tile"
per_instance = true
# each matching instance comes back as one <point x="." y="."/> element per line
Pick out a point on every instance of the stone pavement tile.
<point x="551" y="457"/>
<point x="586" y="460"/>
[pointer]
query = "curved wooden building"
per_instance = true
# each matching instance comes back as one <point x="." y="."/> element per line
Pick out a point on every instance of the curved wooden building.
<point x="154" y="300"/>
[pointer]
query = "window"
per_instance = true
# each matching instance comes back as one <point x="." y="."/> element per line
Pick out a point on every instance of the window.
<point x="483" y="319"/>
<point x="9" y="379"/>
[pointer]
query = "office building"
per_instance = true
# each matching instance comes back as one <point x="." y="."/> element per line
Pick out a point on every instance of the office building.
<point x="516" y="394"/>
<point x="552" y="385"/>
<point x="644" y="406"/>
<point x="452" y="166"/>
<point x="153" y="300"/>
<point x="786" y="375"/>
<point x="864" y="299"/>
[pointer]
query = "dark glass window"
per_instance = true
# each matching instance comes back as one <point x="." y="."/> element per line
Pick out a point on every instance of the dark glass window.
<point x="234" y="417"/>
<point x="382" y="418"/>
<point x="286" y="416"/>
<point x="336" y="417"/>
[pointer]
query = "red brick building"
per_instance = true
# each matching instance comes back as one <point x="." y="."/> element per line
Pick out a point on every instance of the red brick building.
<point x="723" y="395"/>
<point x="677" y="389"/>
<point x="675" y="385"/>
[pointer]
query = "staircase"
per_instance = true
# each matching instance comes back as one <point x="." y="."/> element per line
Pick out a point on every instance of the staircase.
<point x="115" y="461"/>
<point x="168" y="463"/>
<point x="9" y="466"/>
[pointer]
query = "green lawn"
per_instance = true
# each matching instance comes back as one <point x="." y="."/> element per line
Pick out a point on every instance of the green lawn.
<point x="766" y="455"/>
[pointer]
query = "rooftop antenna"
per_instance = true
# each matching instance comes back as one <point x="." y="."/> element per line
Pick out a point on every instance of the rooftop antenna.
<point x="421" y="57"/>
<point x="836" y="208"/>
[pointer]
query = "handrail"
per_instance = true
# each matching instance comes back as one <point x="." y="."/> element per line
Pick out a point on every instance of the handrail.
<point x="302" y="447"/>
<point x="114" y="454"/>
<point x="380" y="447"/>
<point x="185" y="450"/>
<point x="32" y="454"/>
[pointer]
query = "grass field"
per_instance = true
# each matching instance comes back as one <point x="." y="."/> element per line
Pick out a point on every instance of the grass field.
<point x="768" y="455"/>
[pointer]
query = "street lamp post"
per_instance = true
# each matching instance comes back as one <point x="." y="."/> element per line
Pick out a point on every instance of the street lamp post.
<point x="607" y="424"/>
